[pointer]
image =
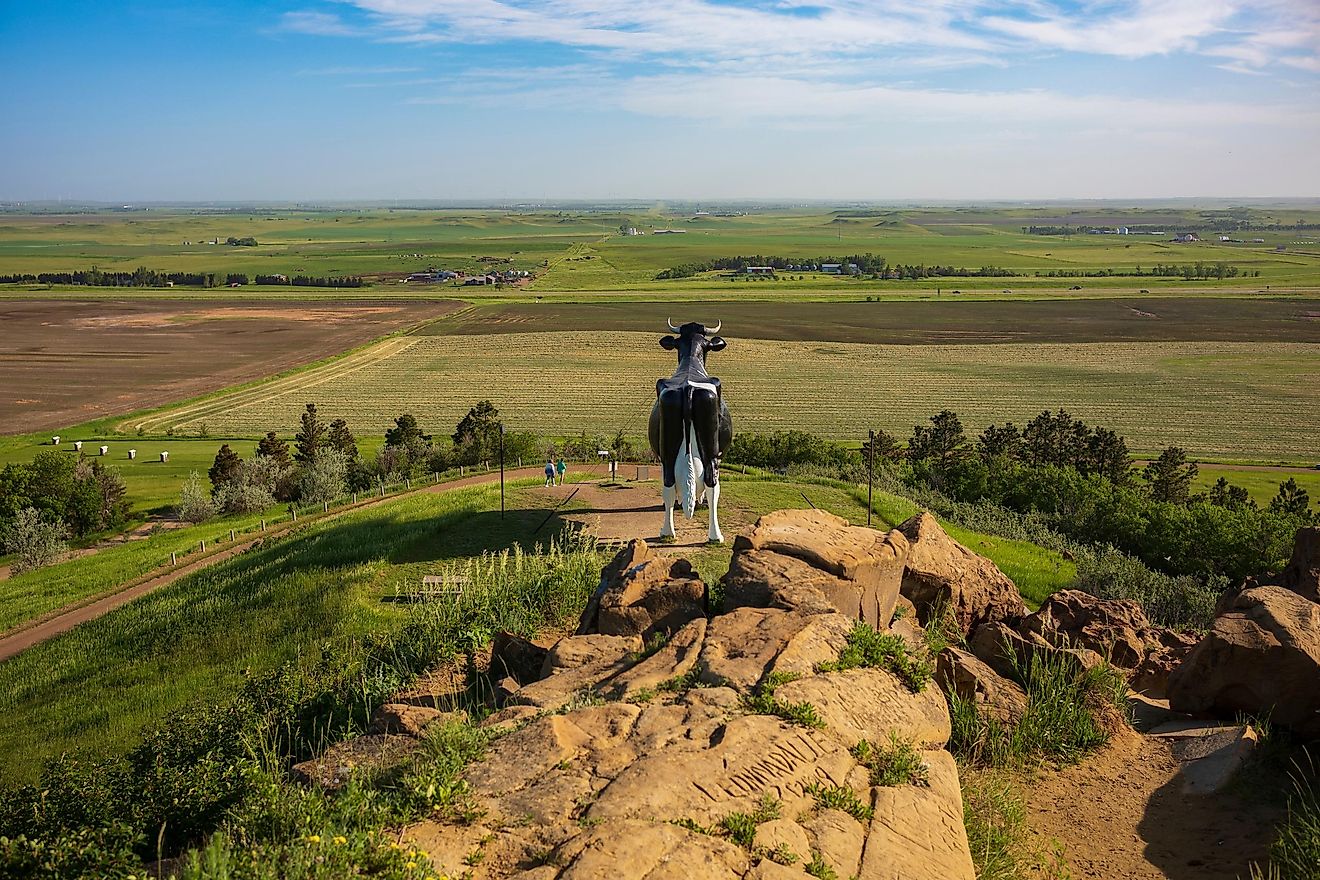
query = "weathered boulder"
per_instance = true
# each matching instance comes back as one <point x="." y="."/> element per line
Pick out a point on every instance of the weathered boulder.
<point x="1151" y="677"/>
<point x="624" y="850"/>
<point x="839" y="838"/>
<point x="675" y="660"/>
<point x="996" y="697"/>
<point x="917" y="831"/>
<point x="872" y="704"/>
<point x="1302" y="575"/>
<point x="811" y="561"/>
<point x="1262" y="656"/>
<point x="741" y="647"/>
<point x="574" y="667"/>
<point x="642" y="593"/>
<point x="941" y="573"/>
<point x="1114" y="628"/>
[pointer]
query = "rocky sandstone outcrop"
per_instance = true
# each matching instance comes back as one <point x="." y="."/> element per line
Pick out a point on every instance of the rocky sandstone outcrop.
<point x="1302" y="575"/>
<point x="1261" y="656"/>
<point x="813" y="561"/>
<point x="643" y="593"/>
<point x="623" y="758"/>
<point x="942" y="574"/>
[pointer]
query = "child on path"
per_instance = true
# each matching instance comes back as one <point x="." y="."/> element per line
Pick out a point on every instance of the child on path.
<point x="561" y="467"/>
<point x="549" y="472"/>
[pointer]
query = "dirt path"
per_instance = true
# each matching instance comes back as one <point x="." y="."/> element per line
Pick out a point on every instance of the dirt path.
<point x="65" y="619"/>
<point x="1121" y="815"/>
<point x="619" y="512"/>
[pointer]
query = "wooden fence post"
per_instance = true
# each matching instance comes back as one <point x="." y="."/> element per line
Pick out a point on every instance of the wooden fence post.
<point x="174" y="560"/>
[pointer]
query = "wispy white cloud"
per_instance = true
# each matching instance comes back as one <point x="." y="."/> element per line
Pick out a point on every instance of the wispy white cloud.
<point x="321" y="24"/>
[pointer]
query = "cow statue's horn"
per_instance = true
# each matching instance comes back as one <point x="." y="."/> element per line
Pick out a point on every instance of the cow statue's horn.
<point x="670" y="322"/>
<point x="718" y="325"/>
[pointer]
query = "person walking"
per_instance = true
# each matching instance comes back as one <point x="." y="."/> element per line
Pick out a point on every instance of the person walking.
<point x="549" y="472"/>
<point x="560" y="467"/>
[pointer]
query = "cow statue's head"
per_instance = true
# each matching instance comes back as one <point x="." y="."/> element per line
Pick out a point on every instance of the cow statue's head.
<point x="693" y="340"/>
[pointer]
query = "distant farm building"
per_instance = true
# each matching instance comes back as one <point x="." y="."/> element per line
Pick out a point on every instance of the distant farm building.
<point x="669" y="232"/>
<point x="838" y="268"/>
<point x="632" y="230"/>
<point x="1186" y="237"/>
<point x="759" y="270"/>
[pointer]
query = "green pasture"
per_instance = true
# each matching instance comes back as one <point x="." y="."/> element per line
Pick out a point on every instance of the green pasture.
<point x="1262" y="485"/>
<point x="197" y="639"/>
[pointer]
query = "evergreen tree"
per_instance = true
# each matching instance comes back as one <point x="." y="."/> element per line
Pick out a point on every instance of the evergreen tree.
<point x="1170" y="476"/>
<point x="997" y="442"/>
<point x="1225" y="494"/>
<point x="310" y="437"/>
<point x="405" y="431"/>
<point x="887" y="447"/>
<point x="224" y="468"/>
<point x="273" y="447"/>
<point x="1107" y="455"/>
<point x="943" y="439"/>
<point x="342" y="439"/>
<point x="479" y="430"/>
<point x="1291" y="500"/>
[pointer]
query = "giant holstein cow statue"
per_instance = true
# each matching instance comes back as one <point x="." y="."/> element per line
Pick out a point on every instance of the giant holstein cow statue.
<point x="690" y="426"/>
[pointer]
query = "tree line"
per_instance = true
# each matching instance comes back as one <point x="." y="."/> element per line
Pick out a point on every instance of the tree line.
<point x="867" y="264"/>
<point x="1078" y="479"/>
<point x="1198" y="271"/>
<point x="144" y="277"/>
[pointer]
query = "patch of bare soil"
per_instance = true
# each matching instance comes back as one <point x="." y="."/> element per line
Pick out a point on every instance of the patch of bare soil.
<point x="1121" y="815"/>
<point x="64" y="362"/>
<point x="619" y="512"/>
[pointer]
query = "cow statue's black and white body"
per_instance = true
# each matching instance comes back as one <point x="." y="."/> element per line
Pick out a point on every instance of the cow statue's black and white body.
<point x="690" y="426"/>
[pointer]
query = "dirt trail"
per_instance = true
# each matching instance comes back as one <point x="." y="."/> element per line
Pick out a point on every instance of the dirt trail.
<point x="65" y="619"/>
<point x="1121" y="815"/>
<point x="619" y="512"/>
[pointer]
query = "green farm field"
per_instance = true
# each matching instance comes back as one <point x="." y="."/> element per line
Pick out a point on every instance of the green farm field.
<point x="1244" y="401"/>
<point x="580" y="253"/>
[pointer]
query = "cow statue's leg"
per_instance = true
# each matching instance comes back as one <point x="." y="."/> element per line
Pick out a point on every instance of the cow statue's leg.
<point x="671" y="444"/>
<point x="706" y="426"/>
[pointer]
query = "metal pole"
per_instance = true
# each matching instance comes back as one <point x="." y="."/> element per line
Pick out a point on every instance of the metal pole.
<point x="870" y="475"/>
<point x="501" y="472"/>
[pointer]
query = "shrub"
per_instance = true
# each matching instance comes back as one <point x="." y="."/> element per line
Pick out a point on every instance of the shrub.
<point x="1295" y="853"/>
<point x="840" y="797"/>
<point x="34" y="540"/>
<point x="195" y="504"/>
<point x="900" y="763"/>
<point x="325" y="478"/>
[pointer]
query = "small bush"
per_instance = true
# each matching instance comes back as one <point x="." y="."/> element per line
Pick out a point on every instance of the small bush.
<point x="35" y="541"/>
<point x="764" y="702"/>
<point x="874" y="650"/>
<point x="840" y="797"/>
<point x="1295" y="853"/>
<point x="898" y="764"/>
<point x="195" y="504"/>
<point x="819" y="868"/>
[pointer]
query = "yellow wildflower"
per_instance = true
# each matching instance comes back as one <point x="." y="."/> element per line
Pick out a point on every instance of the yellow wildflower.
<point x="340" y="840"/>
<point x="313" y="838"/>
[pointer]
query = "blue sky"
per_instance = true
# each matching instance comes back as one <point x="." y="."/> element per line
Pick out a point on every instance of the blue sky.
<point x="706" y="99"/>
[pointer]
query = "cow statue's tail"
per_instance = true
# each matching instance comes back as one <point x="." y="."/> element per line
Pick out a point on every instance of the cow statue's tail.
<point x="687" y="472"/>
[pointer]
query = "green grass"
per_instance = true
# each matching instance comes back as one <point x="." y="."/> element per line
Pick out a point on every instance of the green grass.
<point x="32" y="594"/>
<point x="198" y="638"/>
<point x="1261" y="485"/>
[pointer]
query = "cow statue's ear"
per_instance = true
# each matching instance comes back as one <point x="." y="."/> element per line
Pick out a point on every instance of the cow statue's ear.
<point x="717" y="343"/>
<point x="668" y="343"/>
